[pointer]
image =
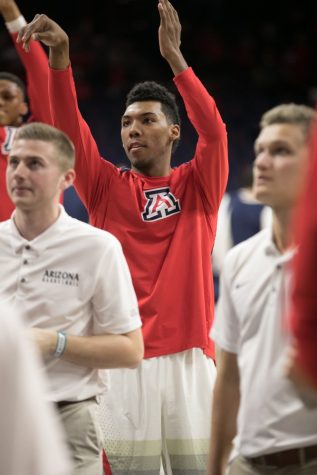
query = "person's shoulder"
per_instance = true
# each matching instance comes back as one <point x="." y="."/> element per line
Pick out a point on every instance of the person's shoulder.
<point x="246" y="249"/>
<point x="95" y="235"/>
<point x="5" y="226"/>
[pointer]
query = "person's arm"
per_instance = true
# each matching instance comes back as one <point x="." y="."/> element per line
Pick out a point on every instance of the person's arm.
<point x="226" y="398"/>
<point x="225" y="406"/>
<point x="9" y="10"/>
<point x="116" y="339"/>
<point x="66" y="115"/>
<point x="211" y="156"/>
<point x="35" y="63"/>
<point x="305" y="384"/>
<point x="99" y="351"/>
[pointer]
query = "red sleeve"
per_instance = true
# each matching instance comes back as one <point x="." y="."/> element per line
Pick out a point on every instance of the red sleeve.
<point x="67" y="117"/>
<point x="304" y="316"/>
<point x="211" y="155"/>
<point x="36" y="66"/>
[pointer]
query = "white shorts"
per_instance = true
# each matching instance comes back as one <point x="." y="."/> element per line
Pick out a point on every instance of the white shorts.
<point x="161" y="410"/>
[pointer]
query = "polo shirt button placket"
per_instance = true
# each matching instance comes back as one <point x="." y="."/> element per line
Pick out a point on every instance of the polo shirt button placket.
<point x="25" y="261"/>
<point x="274" y="285"/>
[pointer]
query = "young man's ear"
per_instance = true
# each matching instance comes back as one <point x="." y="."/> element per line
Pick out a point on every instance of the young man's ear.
<point x="175" y="132"/>
<point x="69" y="178"/>
<point x="23" y="109"/>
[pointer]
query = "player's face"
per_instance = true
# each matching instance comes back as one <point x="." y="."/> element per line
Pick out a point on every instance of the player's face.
<point x="147" y="136"/>
<point x="34" y="177"/>
<point x="12" y="104"/>
<point x="280" y="165"/>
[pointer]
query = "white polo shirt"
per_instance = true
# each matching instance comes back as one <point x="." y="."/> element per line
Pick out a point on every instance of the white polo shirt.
<point x="72" y="277"/>
<point x="254" y="295"/>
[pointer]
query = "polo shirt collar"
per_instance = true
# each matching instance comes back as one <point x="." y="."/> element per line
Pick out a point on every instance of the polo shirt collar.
<point x="270" y="248"/>
<point x="43" y="240"/>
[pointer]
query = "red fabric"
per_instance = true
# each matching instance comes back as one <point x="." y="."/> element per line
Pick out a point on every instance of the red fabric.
<point x="304" y="316"/>
<point x="106" y="466"/>
<point x="6" y="205"/>
<point x="36" y="66"/>
<point x="169" y="258"/>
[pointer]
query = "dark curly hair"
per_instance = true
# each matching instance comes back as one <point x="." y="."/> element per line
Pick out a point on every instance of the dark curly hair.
<point x="153" y="91"/>
<point x="15" y="79"/>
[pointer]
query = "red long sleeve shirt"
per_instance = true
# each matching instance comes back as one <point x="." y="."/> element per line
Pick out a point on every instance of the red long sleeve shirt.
<point x="166" y="225"/>
<point x="36" y="66"/>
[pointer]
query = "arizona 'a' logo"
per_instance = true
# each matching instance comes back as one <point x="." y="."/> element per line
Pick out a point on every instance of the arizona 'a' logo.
<point x="161" y="203"/>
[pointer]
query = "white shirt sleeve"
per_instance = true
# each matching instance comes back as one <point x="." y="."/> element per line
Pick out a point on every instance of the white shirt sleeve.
<point x="115" y="303"/>
<point x="226" y="328"/>
<point x="31" y="439"/>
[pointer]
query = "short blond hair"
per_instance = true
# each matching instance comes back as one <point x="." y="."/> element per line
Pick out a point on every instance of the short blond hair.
<point x="296" y="114"/>
<point x="64" y="146"/>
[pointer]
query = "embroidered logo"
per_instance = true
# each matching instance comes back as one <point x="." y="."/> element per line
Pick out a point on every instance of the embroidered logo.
<point x="161" y="203"/>
<point x="61" y="277"/>
<point x="7" y="144"/>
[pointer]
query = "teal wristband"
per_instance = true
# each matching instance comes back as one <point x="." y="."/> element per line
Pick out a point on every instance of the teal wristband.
<point x="60" y="344"/>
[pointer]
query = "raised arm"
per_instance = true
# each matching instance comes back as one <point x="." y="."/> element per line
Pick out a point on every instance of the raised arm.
<point x="224" y="412"/>
<point x="9" y="10"/>
<point x="42" y="28"/>
<point x="35" y="63"/>
<point x="211" y="156"/>
<point x="66" y="115"/>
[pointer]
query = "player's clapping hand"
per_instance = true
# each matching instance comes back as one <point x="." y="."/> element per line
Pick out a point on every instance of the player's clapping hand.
<point x="169" y="29"/>
<point x="43" y="29"/>
<point x="169" y="34"/>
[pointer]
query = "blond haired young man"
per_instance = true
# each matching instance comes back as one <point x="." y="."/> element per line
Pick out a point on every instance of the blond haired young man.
<point x="71" y="284"/>
<point x="254" y="402"/>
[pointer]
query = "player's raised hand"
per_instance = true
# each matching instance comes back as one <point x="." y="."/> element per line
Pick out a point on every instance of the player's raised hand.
<point x="169" y="34"/>
<point x="44" y="29"/>
<point x="169" y="29"/>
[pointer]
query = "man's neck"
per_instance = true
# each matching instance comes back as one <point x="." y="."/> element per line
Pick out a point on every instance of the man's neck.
<point x="282" y="232"/>
<point x="31" y="224"/>
<point x="158" y="170"/>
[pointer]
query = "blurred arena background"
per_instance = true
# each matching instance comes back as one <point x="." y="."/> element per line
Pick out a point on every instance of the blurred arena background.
<point x="250" y="55"/>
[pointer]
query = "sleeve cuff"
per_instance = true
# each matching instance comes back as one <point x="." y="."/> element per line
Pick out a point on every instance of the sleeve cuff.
<point x="15" y="26"/>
